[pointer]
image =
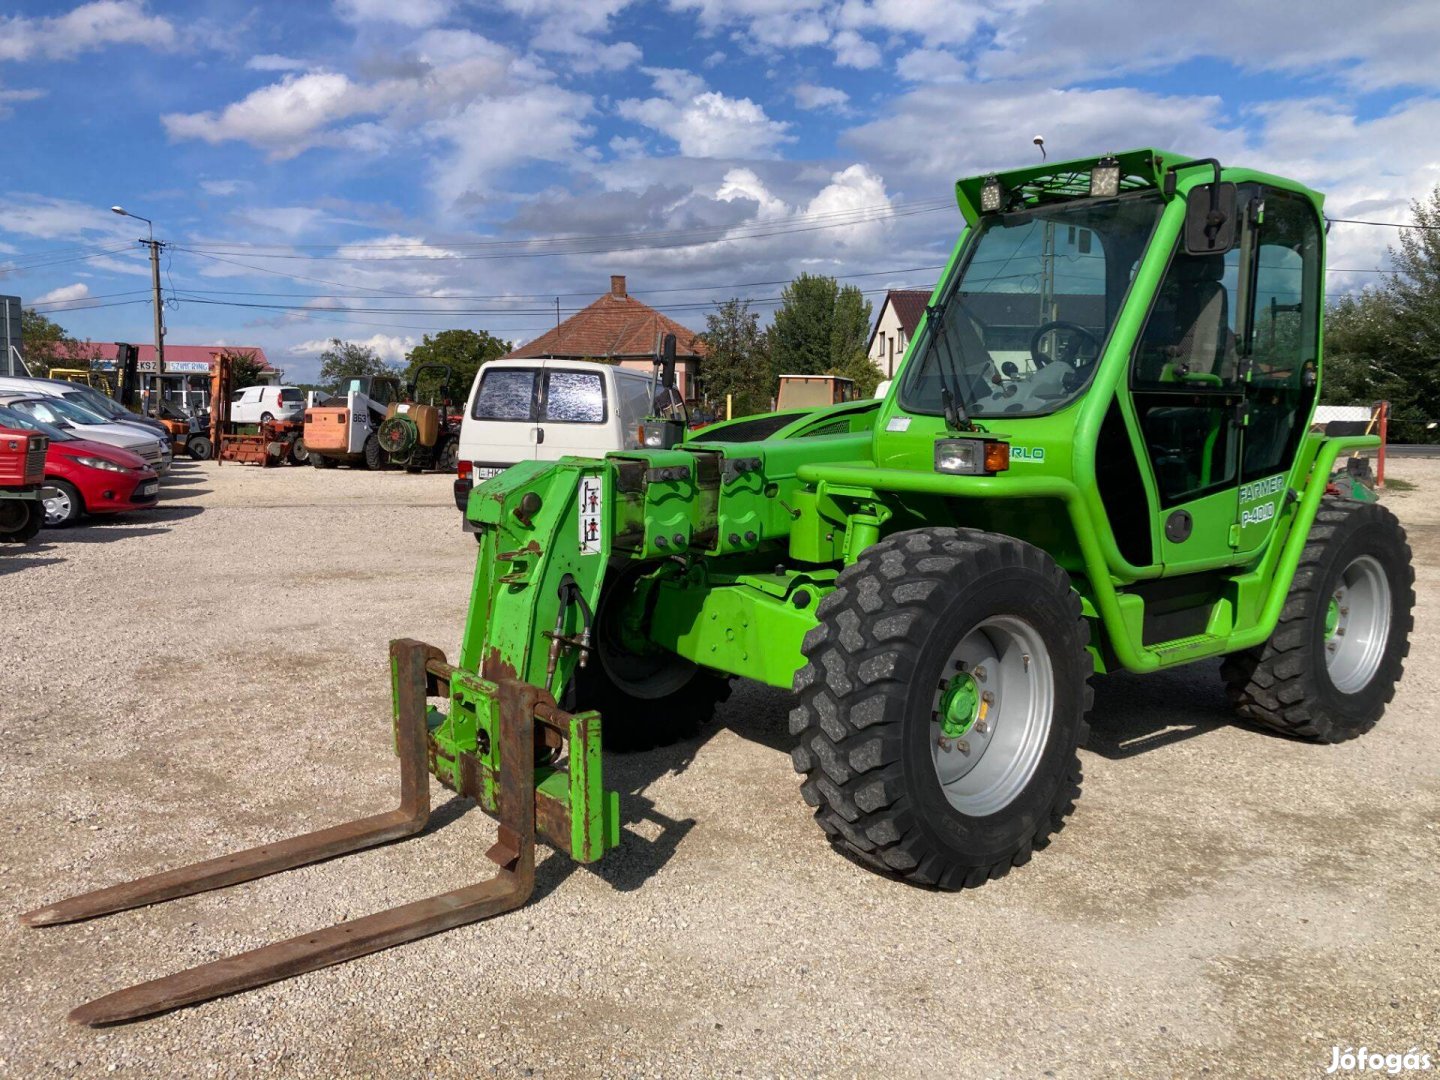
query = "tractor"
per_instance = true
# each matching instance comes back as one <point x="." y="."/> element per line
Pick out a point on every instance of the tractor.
<point x="419" y="436"/>
<point x="22" y="472"/>
<point x="1095" y="457"/>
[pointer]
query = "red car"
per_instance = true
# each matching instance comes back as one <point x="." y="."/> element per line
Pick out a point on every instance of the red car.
<point x="84" y="477"/>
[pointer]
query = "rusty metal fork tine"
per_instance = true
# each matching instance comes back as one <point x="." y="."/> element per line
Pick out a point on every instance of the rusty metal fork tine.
<point x="411" y="658"/>
<point x="510" y="888"/>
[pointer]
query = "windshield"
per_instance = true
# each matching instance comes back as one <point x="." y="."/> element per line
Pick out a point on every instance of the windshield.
<point x="57" y="411"/>
<point x="1028" y="315"/>
<point x="13" y="418"/>
<point x="96" y="403"/>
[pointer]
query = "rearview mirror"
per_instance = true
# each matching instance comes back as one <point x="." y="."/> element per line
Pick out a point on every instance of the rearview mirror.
<point x="1210" y="218"/>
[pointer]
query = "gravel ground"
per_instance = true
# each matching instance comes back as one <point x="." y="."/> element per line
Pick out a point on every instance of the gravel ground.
<point x="213" y="675"/>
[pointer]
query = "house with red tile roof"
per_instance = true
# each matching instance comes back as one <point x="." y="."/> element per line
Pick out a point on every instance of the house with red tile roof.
<point x="617" y="328"/>
<point x="895" y="326"/>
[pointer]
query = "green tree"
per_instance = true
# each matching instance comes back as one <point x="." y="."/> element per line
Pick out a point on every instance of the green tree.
<point x="802" y="335"/>
<point x="351" y="360"/>
<point x="737" y="360"/>
<point x="823" y="329"/>
<point x="463" y="350"/>
<point x="1384" y="343"/>
<point x="245" y="366"/>
<point x="849" y="337"/>
<point x="44" y="343"/>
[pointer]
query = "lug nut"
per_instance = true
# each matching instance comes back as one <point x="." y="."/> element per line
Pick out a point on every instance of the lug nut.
<point x="982" y="726"/>
<point x="979" y="672"/>
<point x="944" y="744"/>
<point x="963" y="746"/>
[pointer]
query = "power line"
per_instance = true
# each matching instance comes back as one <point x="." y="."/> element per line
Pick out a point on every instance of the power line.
<point x="1383" y="224"/>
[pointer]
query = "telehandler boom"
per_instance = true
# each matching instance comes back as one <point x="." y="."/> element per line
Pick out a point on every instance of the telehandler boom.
<point x="1096" y="456"/>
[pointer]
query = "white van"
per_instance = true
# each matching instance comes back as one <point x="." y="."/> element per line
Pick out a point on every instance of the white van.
<point x="546" y="409"/>
<point x="257" y="404"/>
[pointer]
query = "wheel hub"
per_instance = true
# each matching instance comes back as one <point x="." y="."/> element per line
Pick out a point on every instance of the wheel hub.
<point x="1357" y="625"/>
<point x="959" y="706"/>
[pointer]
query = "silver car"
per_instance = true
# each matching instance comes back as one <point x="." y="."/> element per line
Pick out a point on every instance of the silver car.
<point x="69" y="416"/>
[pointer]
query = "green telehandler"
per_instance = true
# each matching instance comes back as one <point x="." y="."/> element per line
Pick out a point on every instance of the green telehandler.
<point x="1097" y="456"/>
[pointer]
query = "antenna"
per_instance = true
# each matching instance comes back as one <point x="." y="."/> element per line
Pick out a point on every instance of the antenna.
<point x="1039" y="140"/>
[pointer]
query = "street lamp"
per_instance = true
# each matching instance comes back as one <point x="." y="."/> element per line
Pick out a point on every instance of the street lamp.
<point x="154" y="246"/>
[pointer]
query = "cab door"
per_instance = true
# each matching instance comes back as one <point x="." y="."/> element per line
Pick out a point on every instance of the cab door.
<point x="1280" y="348"/>
<point x="1187" y="392"/>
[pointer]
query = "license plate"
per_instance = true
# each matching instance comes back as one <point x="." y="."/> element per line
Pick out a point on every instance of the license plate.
<point x="486" y="472"/>
<point x="151" y="488"/>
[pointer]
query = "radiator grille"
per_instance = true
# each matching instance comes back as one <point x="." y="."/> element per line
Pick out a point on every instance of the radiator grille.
<point x="35" y="459"/>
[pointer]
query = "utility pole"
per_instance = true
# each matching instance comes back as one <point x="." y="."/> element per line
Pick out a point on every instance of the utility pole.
<point x="155" y="247"/>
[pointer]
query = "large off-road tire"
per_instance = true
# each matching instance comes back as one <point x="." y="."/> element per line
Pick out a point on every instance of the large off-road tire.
<point x="299" y="453"/>
<point x="447" y="456"/>
<point x="374" y="455"/>
<point x="320" y="461"/>
<point x="645" y="699"/>
<point x="1331" y="666"/>
<point x="199" y="448"/>
<point x="20" y="520"/>
<point x="922" y="623"/>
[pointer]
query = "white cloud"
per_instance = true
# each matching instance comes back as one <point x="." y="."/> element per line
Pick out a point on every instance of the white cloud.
<point x="284" y="117"/>
<point x="931" y="66"/>
<point x="11" y="97"/>
<point x="388" y="347"/>
<point x="811" y="96"/>
<point x="773" y="24"/>
<point x="544" y="123"/>
<point x="274" y="62"/>
<point x="853" y="50"/>
<point x="575" y="28"/>
<point x="221" y="188"/>
<point x="715" y="59"/>
<point x="78" y="291"/>
<point x="415" y="13"/>
<point x="944" y="21"/>
<point x="83" y="29"/>
<point x="705" y="123"/>
<point x="50" y="218"/>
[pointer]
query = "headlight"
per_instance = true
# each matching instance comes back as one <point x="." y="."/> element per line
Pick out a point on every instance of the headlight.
<point x="971" y="457"/>
<point x="101" y="463"/>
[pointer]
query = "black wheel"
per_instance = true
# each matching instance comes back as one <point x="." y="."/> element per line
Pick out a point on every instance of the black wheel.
<point x="447" y="457"/>
<point x="199" y="448"/>
<point x="646" y="698"/>
<point x="20" y="520"/>
<point x="320" y="461"/>
<point x="63" y="504"/>
<point x="1331" y="666"/>
<point x="374" y="456"/>
<point x="299" y="453"/>
<point x="266" y="417"/>
<point x="943" y="704"/>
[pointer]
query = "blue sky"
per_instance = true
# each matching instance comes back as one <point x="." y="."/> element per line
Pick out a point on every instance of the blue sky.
<point x="423" y="159"/>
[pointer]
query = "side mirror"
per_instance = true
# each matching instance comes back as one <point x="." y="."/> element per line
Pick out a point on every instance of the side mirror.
<point x="1210" y="219"/>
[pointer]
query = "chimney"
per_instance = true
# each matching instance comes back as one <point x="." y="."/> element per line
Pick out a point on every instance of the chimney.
<point x="617" y="286"/>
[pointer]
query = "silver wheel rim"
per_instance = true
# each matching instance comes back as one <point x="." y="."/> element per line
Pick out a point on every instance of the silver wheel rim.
<point x="57" y="506"/>
<point x="1360" y="609"/>
<point x="990" y="764"/>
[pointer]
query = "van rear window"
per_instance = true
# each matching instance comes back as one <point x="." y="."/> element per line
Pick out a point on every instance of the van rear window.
<point x="287" y="396"/>
<point x="575" y="397"/>
<point x="506" y="394"/>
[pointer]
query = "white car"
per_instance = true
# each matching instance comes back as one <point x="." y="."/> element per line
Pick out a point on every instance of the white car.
<point x="85" y="424"/>
<point x="85" y="396"/>
<point x="257" y="404"/>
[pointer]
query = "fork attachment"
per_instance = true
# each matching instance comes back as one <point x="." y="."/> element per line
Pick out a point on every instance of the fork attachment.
<point x="504" y="715"/>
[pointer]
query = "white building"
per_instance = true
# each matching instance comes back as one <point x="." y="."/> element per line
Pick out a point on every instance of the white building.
<point x="894" y="326"/>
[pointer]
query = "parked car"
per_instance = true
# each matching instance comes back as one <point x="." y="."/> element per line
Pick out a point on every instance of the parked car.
<point x="80" y="394"/>
<point x="85" y="477"/>
<point x="85" y="424"/>
<point x="546" y="409"/>
<point x="258" y="404"/>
